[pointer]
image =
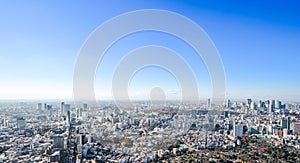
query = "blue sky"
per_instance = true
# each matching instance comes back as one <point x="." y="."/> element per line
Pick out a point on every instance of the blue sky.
<point x="259" y="43"/>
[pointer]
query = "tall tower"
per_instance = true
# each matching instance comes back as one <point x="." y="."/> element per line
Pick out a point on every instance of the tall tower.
<point x="208" y="104"/>
<point x="228" y="103"/>
<point x="284" y="123"/>
<point x="66" y="109"/>
<point x="252" y="105"/>
<point x="289" y="123"/>
<point x="271" y="106"/>
<point x="45" y="106"/>
<point x="249" y="101"/>
<point x="62" y="107"/>
<point x="277" y="104"/>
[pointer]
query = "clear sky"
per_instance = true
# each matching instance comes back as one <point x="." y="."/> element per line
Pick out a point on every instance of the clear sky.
<point x="259" y="43"/>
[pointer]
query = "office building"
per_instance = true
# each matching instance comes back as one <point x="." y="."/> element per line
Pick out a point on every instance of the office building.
<point x="208" y="104"/>
<point x="62" y="107"/>
<point x="228" y="103"/>
<point x="66" y="109"/>
<point x="277" y="104"/>
<point x="249" y="101"/>
<point x="194" y="114"/>
<point x="21" y="123"/>
<point x="237" y="130"/>
<point x="252" y="105"/>
<point x="286" y="124"/>
<point x="58" y="141"/>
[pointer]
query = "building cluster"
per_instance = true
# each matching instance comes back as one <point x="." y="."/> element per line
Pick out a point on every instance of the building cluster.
<point x="146" y="132"/>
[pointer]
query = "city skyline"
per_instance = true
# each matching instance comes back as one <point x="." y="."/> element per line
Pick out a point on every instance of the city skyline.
<point x="149" y="81"/>
<point x="258" y="46"/>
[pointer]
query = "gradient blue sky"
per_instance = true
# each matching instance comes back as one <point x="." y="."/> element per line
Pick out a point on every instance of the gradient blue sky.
<point x="259" y="42"/>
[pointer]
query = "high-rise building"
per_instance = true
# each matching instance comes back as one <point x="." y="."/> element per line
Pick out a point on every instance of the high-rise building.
<point x="289" y="123"/>
<point x="85" y="115"/>
<point x="277" y="104"/>
<point x="284" y="123"/>
<point x="66" y="109"/>
<point x="49" y="107"/>
<point x="194" y="114"/>
<point x="271" y="106"/>
<point x="259" y="104"/>
<point x="226" y="114"/>
<point x="49" y="110"/>
<point x="39" y="106"/>
<point x="237" y="130"/>
<point x="21" y="123"/>
<point x="45" y="106"/>
<point x="267" y="103"/>
<point x="58" y="141"/>
<point x="228" y="103"/>
<point x="69" y="116"/>
<point x="62" y="107"/>
<point x="249" y="101"/>
<point x="208" y="104"/>
<point x="79" y="112"/>
<point x="252" y="105"/>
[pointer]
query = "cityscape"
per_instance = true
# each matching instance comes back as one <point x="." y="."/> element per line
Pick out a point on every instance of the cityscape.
<point x="139" y="81"/>
<point x="241" y="131"/>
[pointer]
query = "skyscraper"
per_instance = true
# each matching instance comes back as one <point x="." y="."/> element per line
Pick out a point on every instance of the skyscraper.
<point x="252" y="105"/>
<point x="66" y="109"/>
<point x="49" y="110"/>
<point x="79" y="112"/>
<point x="45" y="106"/>
<point x="49" y="107"/>
<point x="228" y="103"/>
<point x="249" y="101"/>
<point x="237" y="130"/>
<point x="62" y="107"/>
<point x="271" y="106"/>
<point x="226" y="114"/>
<point x="277" y="104"/>
<point x="208" y="104"/>
<point x="284" y="123"/>
<point x="194" y="114"/>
